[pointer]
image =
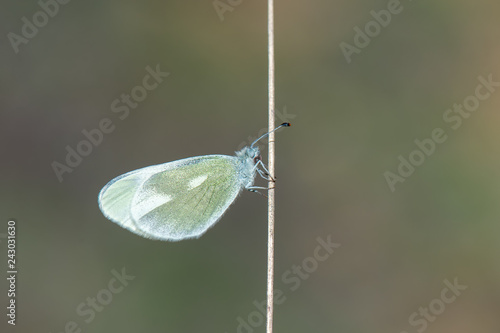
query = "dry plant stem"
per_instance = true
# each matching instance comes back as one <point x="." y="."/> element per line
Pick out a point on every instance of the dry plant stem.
<point x="271" y="207"/>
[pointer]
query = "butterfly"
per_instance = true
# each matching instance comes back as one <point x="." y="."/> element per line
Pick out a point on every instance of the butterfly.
<point x="184" y="198"/>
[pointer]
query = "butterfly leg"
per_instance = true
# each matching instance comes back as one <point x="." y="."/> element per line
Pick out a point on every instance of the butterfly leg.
<point x="253" y="189"/>
<point x="264" y="174"/>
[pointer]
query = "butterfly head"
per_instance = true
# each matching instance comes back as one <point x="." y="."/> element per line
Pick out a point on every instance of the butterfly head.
<point x="250" y="155"/>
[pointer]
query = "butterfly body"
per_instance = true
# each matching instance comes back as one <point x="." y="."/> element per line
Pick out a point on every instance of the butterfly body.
<point x="180" y="199"/>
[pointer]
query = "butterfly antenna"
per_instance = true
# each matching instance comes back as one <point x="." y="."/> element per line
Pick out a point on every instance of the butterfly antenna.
<point x="263" y="136"/>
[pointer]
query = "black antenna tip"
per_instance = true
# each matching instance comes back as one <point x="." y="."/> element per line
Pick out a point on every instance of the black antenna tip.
<point x="286" y="124"/>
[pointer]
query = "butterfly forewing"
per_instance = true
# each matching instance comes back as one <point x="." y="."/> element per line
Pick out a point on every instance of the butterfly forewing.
<point x="175" y="200"/>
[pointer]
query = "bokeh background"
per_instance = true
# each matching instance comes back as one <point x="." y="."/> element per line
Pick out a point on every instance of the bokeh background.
<point x="350" y="121"/>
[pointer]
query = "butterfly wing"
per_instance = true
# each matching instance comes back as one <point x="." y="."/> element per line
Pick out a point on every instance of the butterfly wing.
<point x="175" y="200"/>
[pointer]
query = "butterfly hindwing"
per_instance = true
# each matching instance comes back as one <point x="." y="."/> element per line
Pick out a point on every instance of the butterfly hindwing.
<point x="175" y="200"/>
<point x="115" y="199"/>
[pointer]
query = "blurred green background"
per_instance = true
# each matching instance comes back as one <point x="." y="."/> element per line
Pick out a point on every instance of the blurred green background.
<point x="350" y="123"/>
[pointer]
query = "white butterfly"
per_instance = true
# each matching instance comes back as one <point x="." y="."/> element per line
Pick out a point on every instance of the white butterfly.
<point x="181" y="199"/>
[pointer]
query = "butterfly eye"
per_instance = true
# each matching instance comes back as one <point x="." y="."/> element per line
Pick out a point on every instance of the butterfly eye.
<point x="257" y="158"/>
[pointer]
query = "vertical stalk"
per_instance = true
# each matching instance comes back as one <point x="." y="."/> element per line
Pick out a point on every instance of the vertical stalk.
<point x="271" y="192"/>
